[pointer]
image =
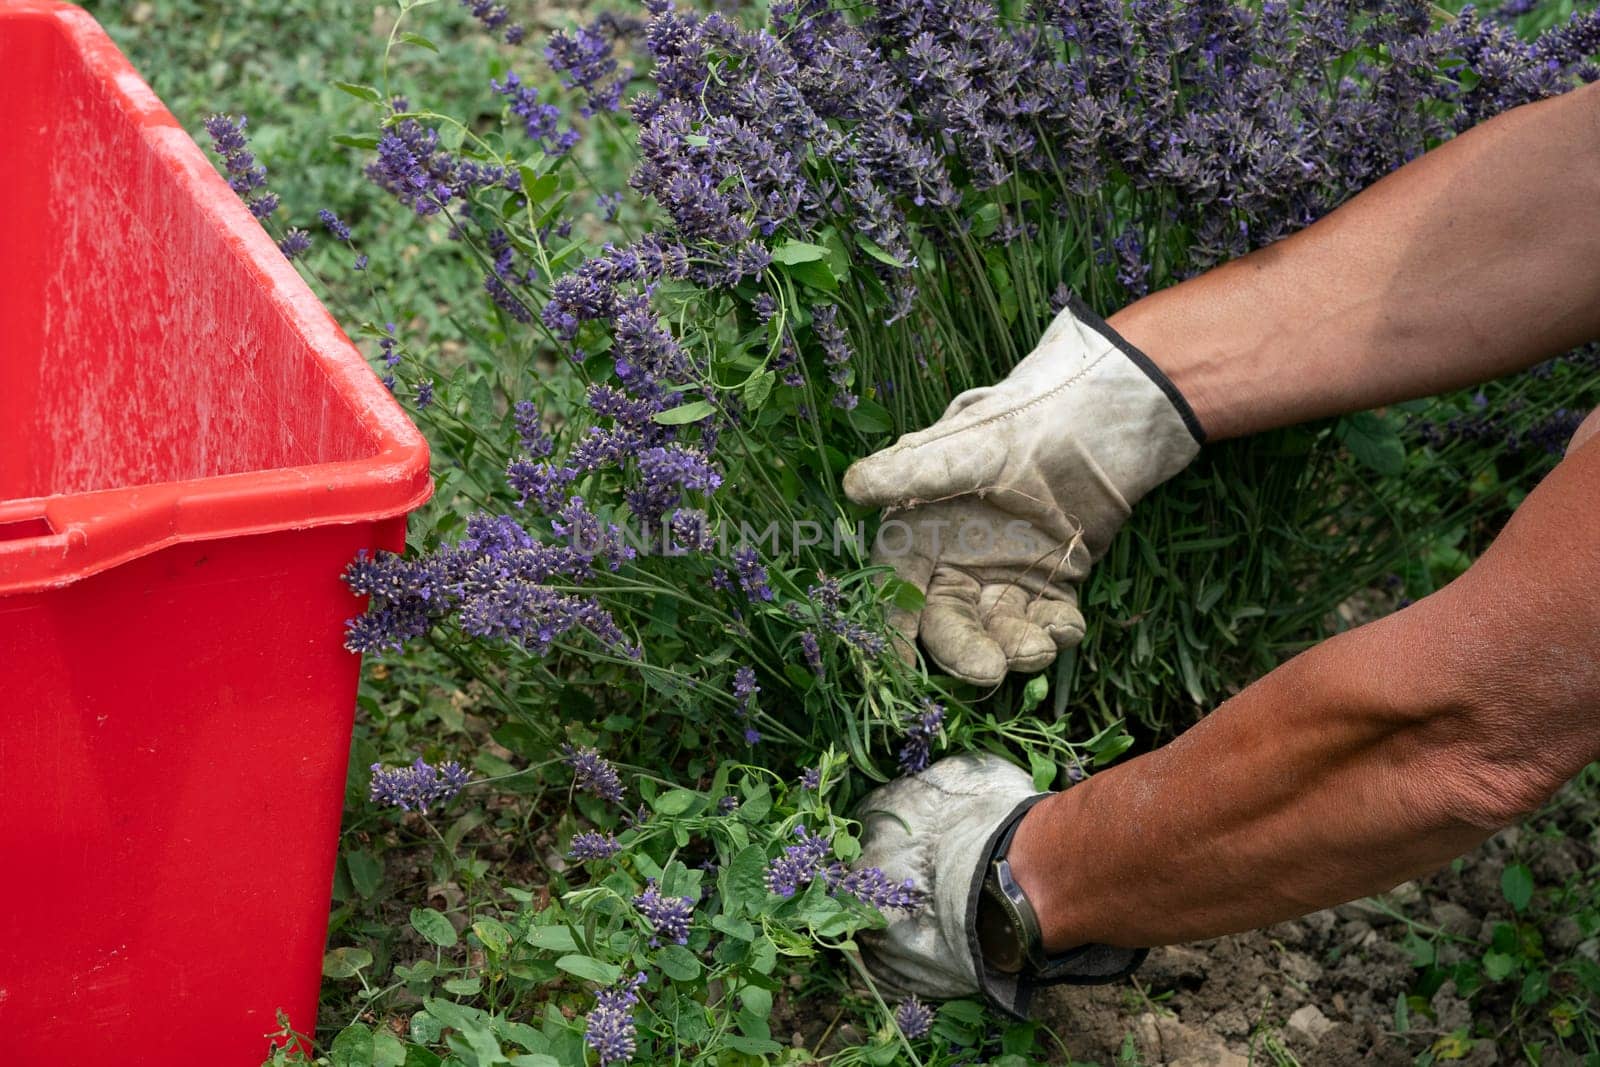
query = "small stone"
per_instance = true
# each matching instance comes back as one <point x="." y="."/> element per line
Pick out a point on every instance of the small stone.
<point x="1173" y="966"/>
<point x="1452" y="918"/>
<point x="1362" y="910"/>
<point x="1564" y="934"/>
<point x="1300" y="967"/>
<point x="1450" y="1012"/>
<point x="1309" y="1023"/>
<point x="1406" y="893"/>
<point x="1231" y="1022"/>
<point x="1321" y="922"/>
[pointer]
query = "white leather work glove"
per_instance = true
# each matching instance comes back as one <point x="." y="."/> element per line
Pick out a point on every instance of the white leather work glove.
<point x="947" y="830"/>
<point x="997" y="510"/>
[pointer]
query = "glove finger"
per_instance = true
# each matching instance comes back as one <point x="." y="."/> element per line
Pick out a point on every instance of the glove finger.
<point x="946" y="466"/>
<point x="1003" y="606"/>
<point x="953" y="633"/>
<point x="1061" y="618"/>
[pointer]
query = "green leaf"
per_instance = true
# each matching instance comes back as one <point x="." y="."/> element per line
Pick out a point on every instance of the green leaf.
<point x="693" y="411"/>
<point x="537" y="187"/>
<point x="345" y="962"/>
<point x="1043" y="769"/>
<point x="758" y="388"/>
<point x="1035" y="691"/>
<point x="352" y="1048"/>
<point x="757" y="1001"/>
<point x="757" y="801"/>
<point x="871" y="248"/>
<point x="351" y="140"/>
<point x="764" y="955"/>
<point x="814" y="273"/>
<point x="552" y="939"/>
<point x="592" y="969"/>
<point x="360" y="92"/>
<point x="1516" y="882"/>
<point x="871" y="418"/>
<point x="754" y="1046"/>
<point x="425" y="1029"/>
<point x="675" y="801"/>
<point x="678" y="963"/>
<point x="792" y="253"/>
<point x="419" y="40"/>
<point x="1498" y="965"/>
<point x="1402" y="1014"/>
<point x="738" y="929"/>
<point x="462" y="987"/>
<point x="433" y="926"/>
<point x="387" y="1050"/>
<point x="494" y="935"/>
<point x="744" y="879"/>
<point x="366" y="872"/>
<point x="1373" y="441"/>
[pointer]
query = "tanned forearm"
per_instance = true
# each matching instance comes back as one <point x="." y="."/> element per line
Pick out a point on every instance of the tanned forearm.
<point x="1480" y="258"/>
<point x="1371" y="758"/>
<point x="1382" y="753"/>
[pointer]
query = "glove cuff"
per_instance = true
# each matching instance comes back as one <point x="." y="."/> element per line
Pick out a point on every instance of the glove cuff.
<point x="1090" y="964"/>
<point x="1084" y="314"/>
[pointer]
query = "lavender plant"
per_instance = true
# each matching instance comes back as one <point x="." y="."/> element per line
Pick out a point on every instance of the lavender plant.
<point x="833" y="221"/>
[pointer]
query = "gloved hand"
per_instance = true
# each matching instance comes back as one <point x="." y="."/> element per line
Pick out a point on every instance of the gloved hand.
<point x="943" y="829"/>
<point x="999" y="508"/>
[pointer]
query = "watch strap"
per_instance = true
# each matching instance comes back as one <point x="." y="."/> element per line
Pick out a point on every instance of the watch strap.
<point x="1010" y="975"/>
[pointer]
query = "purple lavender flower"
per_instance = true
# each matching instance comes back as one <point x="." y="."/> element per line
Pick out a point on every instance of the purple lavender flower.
<point x="668" y="916"/>
<point x="609" y="1028"/>
<point x="914" y="1018"/>
<point x="335" y="225"/>
<point x="593" y="845"/>
<point x="751" y="574"/>
<point x="493" y="17"/>
<point x="583" y="59"/>
<point x="418" y="786"/>
<point x="916" y="750"/>
<point x="593" y="773"/>
<point x="728" y="805"/>
<point x="530" y="430"/>
<point x="245" y="176"/>
<point x="424" y="393"/>
<point x="295" y="243"/>
<point x="812" y="650"/>
<point x="871" y="886"/>
<point x="799" y="865"/>
<point x="745" y="688"/>
<point x="540" y="121"/>
<point x="811" y="779"/>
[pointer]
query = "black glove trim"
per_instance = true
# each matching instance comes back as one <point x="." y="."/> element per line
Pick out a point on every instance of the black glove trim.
<point x="1084" y="965"/>
<point x="1083" y="313"/>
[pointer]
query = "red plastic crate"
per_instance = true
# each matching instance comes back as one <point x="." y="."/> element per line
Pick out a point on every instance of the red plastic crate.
<point x="190" y="453"/>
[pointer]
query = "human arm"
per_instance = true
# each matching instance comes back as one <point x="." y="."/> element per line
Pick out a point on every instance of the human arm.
<point x="1373" y="757"/>
<point x="1477" y="259"/>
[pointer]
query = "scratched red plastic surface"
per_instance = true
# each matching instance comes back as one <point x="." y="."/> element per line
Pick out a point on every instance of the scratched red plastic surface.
<point x="190" y="452"/>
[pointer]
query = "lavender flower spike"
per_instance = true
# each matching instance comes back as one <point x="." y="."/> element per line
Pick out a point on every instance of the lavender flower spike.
<point x="609" y="1028"/>
<point x="914" y="1018"/>
<point x="668" y="916"/>
<point x="418" y="786"/>
<point x="592" y="845"/>
<point x="593" y="773"/>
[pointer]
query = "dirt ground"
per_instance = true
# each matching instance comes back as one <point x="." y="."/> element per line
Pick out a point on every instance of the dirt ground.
<point x="1323" y="989"/>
